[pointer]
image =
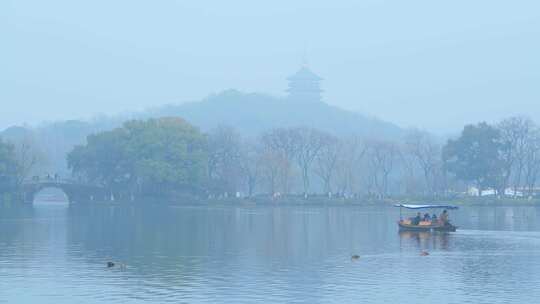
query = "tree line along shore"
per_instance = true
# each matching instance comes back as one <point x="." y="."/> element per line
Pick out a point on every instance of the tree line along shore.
<point x="170" y="159"/>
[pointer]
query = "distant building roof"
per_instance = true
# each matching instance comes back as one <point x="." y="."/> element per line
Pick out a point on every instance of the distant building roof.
<point x="304" y="74"/>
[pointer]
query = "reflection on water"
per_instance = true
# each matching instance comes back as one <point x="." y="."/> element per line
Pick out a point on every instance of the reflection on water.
<point x="425" y="240"/>
<point x="57" y="253"/>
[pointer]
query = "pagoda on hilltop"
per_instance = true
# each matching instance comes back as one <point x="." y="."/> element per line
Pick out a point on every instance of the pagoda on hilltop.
<point x="304" y="86"/>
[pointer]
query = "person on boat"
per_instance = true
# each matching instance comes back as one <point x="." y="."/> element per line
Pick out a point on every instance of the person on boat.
<point x="416" y="220"/>
<point x="434" y="218"/>
<point x="443" y="218"/>
<point x="427" y="217"/>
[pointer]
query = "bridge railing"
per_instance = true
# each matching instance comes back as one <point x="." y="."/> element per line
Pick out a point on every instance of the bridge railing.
<point x="56" y="180"/>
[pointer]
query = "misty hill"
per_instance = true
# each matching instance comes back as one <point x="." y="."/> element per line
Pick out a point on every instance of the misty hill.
<point x="251" y="114"/>
<point x="254" y="113"/>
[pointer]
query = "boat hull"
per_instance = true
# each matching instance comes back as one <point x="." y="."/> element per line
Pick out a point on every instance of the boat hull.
<point x="445" y="228"/>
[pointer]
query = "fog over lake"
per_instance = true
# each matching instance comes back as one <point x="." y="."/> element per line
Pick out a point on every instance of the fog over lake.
<point x="418" y="63"/>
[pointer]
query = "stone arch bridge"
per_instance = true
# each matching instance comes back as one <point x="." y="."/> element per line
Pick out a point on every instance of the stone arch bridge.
<point x="76" y="191"/>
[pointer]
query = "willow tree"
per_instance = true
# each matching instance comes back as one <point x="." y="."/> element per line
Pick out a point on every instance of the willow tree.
<point x="280" y="147"/>
<point x="309" y="144"/>
<point x="327" y="161"/>
<point x="9" y="169"/>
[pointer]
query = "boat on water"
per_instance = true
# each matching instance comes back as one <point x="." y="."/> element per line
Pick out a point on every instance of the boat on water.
<point x="425" y="225"/>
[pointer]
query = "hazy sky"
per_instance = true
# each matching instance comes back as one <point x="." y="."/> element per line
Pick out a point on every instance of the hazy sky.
<point x="432" y="64"/>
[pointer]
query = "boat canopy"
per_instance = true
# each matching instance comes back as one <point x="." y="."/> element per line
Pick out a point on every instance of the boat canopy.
<point x="408" y="206"/>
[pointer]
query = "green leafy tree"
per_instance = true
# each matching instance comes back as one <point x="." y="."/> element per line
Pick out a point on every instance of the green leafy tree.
<point x="103" y="160"/>
<point x="155" y="157"/>
<point x="476" y="156"/>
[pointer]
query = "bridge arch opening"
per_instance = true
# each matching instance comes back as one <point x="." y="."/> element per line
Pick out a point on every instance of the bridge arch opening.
<point x="71" y="191"/>
<point x="50" y="195"/>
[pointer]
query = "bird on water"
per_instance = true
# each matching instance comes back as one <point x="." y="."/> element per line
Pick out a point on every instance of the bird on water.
<point x="111" y="264"/>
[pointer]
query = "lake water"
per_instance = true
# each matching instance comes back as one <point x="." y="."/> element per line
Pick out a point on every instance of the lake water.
<point x="57" y="253"/>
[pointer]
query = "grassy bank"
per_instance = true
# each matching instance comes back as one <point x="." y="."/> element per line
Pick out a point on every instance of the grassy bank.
<point x="296" y="200"/>
<point x="325" y="201"/>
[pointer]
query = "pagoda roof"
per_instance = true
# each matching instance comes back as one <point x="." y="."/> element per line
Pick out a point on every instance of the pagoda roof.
<point x="304" y="74"/>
